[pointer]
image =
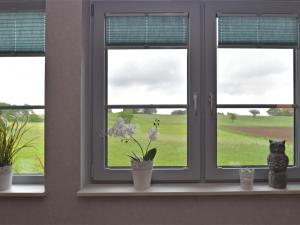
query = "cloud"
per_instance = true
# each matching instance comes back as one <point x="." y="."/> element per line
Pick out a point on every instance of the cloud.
<point x="255" y="72"/>
<point x="159" y="73"/>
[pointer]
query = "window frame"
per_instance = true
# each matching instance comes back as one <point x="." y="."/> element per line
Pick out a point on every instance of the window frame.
<point x="31" y="5"/>
<point x="202" y="64"/>
<point x="212" y="172"/>
<point x="98" y="171"/>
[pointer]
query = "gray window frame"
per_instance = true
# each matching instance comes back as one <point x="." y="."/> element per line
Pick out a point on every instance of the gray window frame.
<point x="98" y="112"/>
<point x="19" y="5"/>
<point x="212" y="172"/>
<point x="202" y="68"/>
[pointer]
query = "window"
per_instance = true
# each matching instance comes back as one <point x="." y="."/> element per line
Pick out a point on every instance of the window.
<point x="22" y="63"/>
<point x="147" y="76"/>
<point x="231" y="77"/>
<point x="254" y="91"/>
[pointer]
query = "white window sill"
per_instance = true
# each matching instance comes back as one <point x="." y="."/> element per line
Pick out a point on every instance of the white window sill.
<point x="24" y="191"/>
<point x="179" y="189"/>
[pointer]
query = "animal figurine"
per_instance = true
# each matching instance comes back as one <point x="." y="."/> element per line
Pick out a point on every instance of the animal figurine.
<point x="277" y="162"/>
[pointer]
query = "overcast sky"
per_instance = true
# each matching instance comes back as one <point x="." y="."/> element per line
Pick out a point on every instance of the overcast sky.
<point x="254" y="76"/>
<point x="22" y="80"/>
<point x="245" y="76"/>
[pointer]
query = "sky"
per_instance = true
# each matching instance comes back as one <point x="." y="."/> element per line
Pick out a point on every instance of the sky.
<point x="22" y="80"/>
<point x="244" y="76"/>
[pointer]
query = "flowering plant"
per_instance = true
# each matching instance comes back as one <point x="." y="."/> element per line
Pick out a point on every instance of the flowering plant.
<point x="126" y="132"/>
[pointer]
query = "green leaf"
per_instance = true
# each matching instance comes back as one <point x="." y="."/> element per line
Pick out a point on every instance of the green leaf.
<point x="150" y="155"/>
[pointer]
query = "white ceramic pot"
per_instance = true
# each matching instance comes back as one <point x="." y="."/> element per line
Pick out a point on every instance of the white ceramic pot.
<point x="246" y="178"/>
<point x="5" y="177"/>
<point x="141" y="174"/>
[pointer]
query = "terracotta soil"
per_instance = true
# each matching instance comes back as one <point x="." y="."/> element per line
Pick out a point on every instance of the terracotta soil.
<point x="277" y="133"/>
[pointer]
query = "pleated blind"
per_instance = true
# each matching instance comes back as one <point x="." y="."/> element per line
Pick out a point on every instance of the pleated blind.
<point x="146" y="30"/>
<point x="22" y="32"/>
<point x="258" y="30"/>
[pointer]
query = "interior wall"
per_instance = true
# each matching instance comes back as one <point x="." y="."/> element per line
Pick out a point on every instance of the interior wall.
<point x="64" y="58"/>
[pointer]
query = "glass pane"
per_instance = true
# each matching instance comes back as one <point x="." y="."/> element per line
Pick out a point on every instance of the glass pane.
<point x="152" y="76"/>
<point x="243" y="135"/>
<point x="29" y="160"/>
<point x="255" y="76"/>
<point x="22" y="80"/>
<point x="171" y="144"/>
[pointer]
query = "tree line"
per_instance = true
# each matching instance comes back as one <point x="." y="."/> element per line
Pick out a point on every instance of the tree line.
<point x="11" y="114"/>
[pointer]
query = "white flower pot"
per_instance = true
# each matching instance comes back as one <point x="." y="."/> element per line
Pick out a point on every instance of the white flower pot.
<point x="5" y="177"/>
<point x="246" y="178"/>
<point x="141" y="174"/>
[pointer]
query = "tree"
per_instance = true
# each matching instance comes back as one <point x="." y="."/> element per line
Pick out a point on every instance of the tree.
<point x="35" y="118"/>
<point x="178" y="112"/>
<point x="127" y="115"/>
<point x="150" y="111"/>
<point x="137" y="111"/>
<point x="280" y="112"/>
<point x="254" y="112"/>
<point x="232" y="116"/>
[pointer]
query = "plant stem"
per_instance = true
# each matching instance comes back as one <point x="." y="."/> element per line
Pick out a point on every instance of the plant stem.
<point x="138" y="143"/>
<point x="148" y="145"/>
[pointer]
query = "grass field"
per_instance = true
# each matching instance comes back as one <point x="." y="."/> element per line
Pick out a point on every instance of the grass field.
<point x="31" y="160"/>
<point x="234" y="147"/>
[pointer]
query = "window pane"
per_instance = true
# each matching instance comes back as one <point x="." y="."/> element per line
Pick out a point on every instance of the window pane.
<point x="243" y="136"/>
<point x="22" y="80"/>
<point x="171" y="143"/>
<point x="29" y="160"/>
<point x="152" y="76"/>
<point x="255" y="76"/>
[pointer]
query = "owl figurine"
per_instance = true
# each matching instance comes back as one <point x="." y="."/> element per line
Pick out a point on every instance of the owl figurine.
<point x="278" y="163"/>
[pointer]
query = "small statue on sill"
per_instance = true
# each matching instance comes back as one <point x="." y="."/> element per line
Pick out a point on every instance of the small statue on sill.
<point x="278" y="163"/>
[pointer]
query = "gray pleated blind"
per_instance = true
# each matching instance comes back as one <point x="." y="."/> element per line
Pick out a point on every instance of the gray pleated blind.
<point x="146" y="30"/>
<point x="258" y="30"/>
<point x="22" y="32"/>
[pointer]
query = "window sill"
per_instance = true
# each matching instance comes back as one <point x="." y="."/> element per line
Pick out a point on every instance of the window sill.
<point x="180" y="189"/>
<point x="18" y="190"/>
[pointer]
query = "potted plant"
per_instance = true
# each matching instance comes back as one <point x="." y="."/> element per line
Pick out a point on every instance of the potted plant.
<point x="141" y="164"/>
<point x="11" y="137"/>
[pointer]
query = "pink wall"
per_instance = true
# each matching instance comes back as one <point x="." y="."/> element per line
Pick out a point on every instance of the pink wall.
<point x="62" y="206"/>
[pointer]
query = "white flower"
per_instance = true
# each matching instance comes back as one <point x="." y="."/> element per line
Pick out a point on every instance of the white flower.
<point x="118" y="129"/>
<point x="130" y="129"/>
<point x="152" y="134"/>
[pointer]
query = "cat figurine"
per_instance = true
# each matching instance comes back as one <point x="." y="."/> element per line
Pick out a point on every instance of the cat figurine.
<point x="278" y="163"/>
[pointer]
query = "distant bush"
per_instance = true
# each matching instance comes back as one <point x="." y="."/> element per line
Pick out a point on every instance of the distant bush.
<point x="150" y="111"/>
<point x="280" y="112"/>
<point x="232" y="116"/>
<point x="127" y="115"/>
<point x="178" y="112"/>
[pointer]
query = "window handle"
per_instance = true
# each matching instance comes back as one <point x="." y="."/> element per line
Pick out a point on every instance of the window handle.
<point x="195" y="102"/>
<point x="211" y="102"/>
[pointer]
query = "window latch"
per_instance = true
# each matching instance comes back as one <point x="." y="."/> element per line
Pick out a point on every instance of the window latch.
<point x="211" y="102"/>
<point x="195" y="102"/>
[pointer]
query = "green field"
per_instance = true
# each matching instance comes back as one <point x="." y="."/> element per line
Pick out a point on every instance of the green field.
<point x="31" y="160"/>
<point x="234" y="147"/>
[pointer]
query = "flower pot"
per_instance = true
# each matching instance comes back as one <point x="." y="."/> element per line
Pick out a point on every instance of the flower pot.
<point x="141" y="174"/>
<point x="246" y="178"/>
<point x="5" y="177"/>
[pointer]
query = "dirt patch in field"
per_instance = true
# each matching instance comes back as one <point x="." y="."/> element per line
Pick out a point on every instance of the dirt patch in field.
<point x="277" y="133"/>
